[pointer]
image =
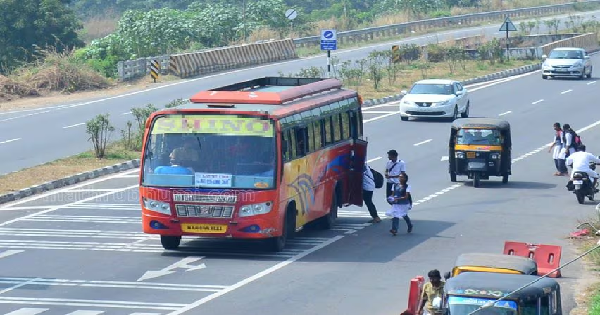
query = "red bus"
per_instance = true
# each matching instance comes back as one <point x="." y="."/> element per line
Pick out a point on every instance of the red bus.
<point x="253" y="160"/>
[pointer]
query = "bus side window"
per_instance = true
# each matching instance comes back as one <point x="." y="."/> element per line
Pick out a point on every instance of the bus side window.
<point x="301" y="139"/>
<point x="292" y="144"/>
<point x="314" y="131"/>
<point x="354" y="124"/>
<point x="345" y="125"/>
<point x="285" y="145"/>
<point x="337" y="130"/>
<point x="327" y="125"/>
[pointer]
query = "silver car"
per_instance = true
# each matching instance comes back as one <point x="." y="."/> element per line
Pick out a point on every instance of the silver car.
<point x="439" y="98"/>
<point x="567" y="62"/>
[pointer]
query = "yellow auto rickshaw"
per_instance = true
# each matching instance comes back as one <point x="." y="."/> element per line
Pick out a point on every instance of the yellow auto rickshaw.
<point x="480" y="148"/>
<point x="485" y="293"/>
<point x="496" y="263"/>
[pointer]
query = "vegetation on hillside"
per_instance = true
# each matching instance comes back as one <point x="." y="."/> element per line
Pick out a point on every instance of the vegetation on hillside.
<point x="49" y="54"/>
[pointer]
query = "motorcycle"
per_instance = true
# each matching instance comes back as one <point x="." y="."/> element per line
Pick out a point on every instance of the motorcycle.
<point x="582" y="185"/>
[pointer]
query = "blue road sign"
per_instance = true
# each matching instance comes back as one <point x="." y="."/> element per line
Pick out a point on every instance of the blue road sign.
<point x="328" y="40"/>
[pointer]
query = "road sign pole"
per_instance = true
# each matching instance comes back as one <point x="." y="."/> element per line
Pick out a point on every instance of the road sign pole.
<point x="507" y="49"/>
<point x="328" y="63"/>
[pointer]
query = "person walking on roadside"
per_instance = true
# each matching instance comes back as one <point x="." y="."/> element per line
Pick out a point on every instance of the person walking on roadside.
<point x="401" y="202"/>
<point x="432" y="294"/>
<point x="393" y="169"/>
<point x="368" y="188"/>
<point x="557" y="152"/>
<point x="568" y="139"/>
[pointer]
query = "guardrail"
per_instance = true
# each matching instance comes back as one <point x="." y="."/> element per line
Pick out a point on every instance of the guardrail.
<point x="135" y="68"/>
<point x="588" y="41"/>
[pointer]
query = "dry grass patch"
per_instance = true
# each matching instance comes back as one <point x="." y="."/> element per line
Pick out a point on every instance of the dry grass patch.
<point x="409" y="74"/>
<point x="63" y="168"/>
<point x="587" y="291"/>
<point x="99" y="26"/>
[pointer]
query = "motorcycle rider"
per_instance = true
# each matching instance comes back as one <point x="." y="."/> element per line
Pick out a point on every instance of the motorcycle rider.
<point x="580" y="162"/>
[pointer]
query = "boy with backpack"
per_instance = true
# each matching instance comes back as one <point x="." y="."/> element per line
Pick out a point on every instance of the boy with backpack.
<point x="371" y="180"/>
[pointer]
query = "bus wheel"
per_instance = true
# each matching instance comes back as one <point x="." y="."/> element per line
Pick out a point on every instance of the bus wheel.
<point x="328" y="221"/>
<point x="277" y="244"/>
<point x="170" y="242"/>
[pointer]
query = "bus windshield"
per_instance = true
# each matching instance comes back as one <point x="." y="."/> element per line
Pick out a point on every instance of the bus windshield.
<point x="466" y="305"/>
<point x="210" y="151"/>
<point x="478" y="136"/>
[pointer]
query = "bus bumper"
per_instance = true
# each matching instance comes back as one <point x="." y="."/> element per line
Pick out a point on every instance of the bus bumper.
<point x="241" y="228"/>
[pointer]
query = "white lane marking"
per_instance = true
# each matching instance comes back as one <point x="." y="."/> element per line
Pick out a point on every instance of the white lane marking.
<point x="379" y="117"/>
<point x="68" y="188"/>
<point x="93" y="190"/>
<point x="54" y="208"/>
<point x="567" y="91"/>
<point x="591" y="82"/>
<point x="505" y="113"/>
<point x="538" y="101"/>
<point x="184" y="263"/>
<point x="75" y="125"/>
<point x="390" y="104"/>
<point x="256" y="276"/>
<point x="508" y="79"/>
<point x="115" y="284"/>
<point x="380" y="112"/>
<point x="90" y="303"/>
<point x="436" y="194"/>
<point x="17" y="286"/>
<point x="10" y="253"/>
<point x="85" y="312"/>
<point x="422" y="142"/>
<point x="445" y="158"/>
<point x="28" y="311"/>
<point x="9" y="141"/>
<point x="374" y="159"/>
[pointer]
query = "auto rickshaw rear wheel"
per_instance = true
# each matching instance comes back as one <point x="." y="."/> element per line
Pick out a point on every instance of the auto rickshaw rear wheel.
<point x="505" y="179"/>
<point x="452" y="177"/>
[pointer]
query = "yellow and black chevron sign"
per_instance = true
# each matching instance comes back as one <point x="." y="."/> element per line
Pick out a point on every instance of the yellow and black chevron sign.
<point x="395" y="54"/>
<point x="154" y="69"/>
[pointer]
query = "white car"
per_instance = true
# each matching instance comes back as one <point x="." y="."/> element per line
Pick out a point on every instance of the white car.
<point x="435" y="98"/>
<point x="567" y="62"/>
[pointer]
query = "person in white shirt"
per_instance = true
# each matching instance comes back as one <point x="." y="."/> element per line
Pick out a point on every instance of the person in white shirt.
<point x="580" y="162"/>
<point x="393" y="169"/>
<point x="368" y="188"/>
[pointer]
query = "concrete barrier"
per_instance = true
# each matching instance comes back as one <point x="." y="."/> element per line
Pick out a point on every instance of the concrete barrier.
<point x="224" y="58"/>
<point x="588" y="41"/>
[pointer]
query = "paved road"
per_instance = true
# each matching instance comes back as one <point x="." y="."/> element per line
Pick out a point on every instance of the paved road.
<point x="32" y="137"/>
<point x="80" y="251"/>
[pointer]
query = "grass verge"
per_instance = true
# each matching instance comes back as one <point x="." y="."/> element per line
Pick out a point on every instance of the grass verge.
<point x="587" y="292"/>
<point x="412" y="73"/>
<point x="86" y="161"/>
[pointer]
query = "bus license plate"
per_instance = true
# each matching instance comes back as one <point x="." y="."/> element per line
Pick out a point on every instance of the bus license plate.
<point x="203" y="228"/>
<point x="577" y="182"/>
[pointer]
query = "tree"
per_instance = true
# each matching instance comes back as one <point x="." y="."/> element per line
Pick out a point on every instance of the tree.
<point x="29" y="25"/>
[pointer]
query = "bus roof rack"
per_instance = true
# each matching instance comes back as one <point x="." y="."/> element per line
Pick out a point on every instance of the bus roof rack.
<point x="267" y="90"/>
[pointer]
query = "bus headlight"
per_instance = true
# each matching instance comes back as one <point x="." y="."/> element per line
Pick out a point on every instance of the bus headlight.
<point x="495" y="156"/>
<point x="157" y="206"/>
<point x="257" y="208"/>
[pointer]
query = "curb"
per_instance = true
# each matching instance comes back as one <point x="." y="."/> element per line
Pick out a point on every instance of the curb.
<point x="70" y="180"/>
<point x="485" y="78"/>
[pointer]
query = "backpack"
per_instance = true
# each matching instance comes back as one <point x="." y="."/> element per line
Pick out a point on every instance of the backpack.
<point x="576" y="139"/>
<point x="377" y="178"/>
